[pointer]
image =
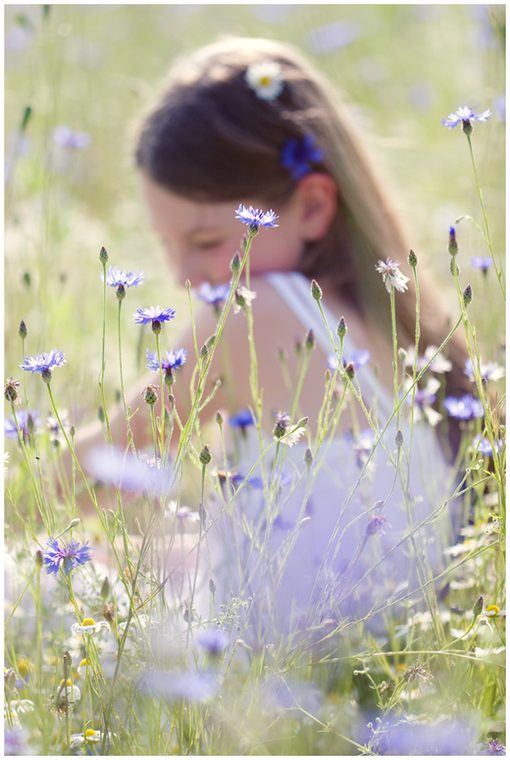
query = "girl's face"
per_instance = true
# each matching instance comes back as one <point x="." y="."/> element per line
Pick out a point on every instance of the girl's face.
<point x="200" y="239"/>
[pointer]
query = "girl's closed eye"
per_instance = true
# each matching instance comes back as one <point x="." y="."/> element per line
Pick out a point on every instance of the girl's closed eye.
<point x="208" y="244"/>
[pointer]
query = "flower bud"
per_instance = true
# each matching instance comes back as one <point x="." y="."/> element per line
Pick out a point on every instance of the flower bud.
<point x="453" y="247"/>
<point x="467" y="295"/>
<point x="121" y="292"/>
<point x="204" y="352"/>
<point x="219" y="419"/>
<point x="316" y="290"/>
<point x="39" y="558"/>
<point x="22" y="330"/>
<point x="103" y="255"/>
<point x="303" y="422"/>
<point x="399" y="439"/>
<point x="310" y="341"/>
<point x="205" y="456"/>
<point x="156" y="326"/>
<point x="100" y="414"/>
<point x="72" y="431"/>
<point x="150" y="395"/>
<point x="478" y="606"/>
<point x="341" y="330"/>
<point x="212" y="586"/>
<point x="11" y="391"/>
<point x="105" y="588"/>
<point x="46" y="376"/>
<point x="402" y="354"/>
<point x="235" y="264"/>
<point x="454" y="268"/>
<point x="413" y="259"/>
<point x="308" y="458"/>
<point x="467" y="127"/>
<point x="350" y="371"/>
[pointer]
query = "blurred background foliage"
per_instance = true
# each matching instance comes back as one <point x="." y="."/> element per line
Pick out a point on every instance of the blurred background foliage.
<point x="95" y="68"/>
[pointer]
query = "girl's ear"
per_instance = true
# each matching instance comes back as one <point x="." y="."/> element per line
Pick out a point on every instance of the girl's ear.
<point x="317" y="197"/>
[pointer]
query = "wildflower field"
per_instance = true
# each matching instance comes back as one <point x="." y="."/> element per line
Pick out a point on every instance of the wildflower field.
<point x="107" y="648"/>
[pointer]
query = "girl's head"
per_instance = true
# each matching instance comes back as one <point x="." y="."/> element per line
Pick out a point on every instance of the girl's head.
<point x="211" y="138"/>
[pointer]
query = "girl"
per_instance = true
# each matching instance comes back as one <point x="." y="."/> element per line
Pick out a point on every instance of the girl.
<point x="333" y="527"/>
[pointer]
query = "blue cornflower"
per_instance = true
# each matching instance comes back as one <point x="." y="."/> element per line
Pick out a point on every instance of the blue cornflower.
<point x="216" y="295"/>
<point x="490" y="371"/>
<point x="358" y="359"/>
<point x="66" y="138"/>
<point x="241" y="420"/>
<point x="465" y="408"/>
<point x="493" y="747"/>
<point x="28" y="423"/>
<point x="297" y="156"/>
<point x="70" y="556"/>
<point x="153" y="316"/>
<point x="116" y="277"/>
<point x="44" y="363"/>
<point x="484" y="447"/>
<point x="173" y="360"/>
<point x="465" y="116"/>
<point x="482" y="262"/>
<point x="213" y="641"/>
<point x="254" y="218"/>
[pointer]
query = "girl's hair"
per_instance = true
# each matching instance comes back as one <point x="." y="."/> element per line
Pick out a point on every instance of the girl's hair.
<point x="210" y="138"/>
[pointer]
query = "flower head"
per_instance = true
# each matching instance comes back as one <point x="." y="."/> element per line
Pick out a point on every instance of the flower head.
<point x="392" y="276"/>
<point x="116" y="277"/>
<point x="281" y="430"/>
<point x="44" y="363"/>
<point x="490" y="371"/>
<point x="482" y="262"/>
<point x="464" y="408"/>
<point x="172" y="360"/>
<point x="185" y="518"/>
<point x="255" y="218"/>
<point x="297" y="156"/>
<point x="243" y="296"/>
<point x="28" y="423"/>
<point x="265" y="79"/>
<point x="438" y="364"/>
<point x="216" y="295"/>
<point x="423" y="400"/>
<point x="465" y="116"/>
<point x="154" y="317"/>
<point x="358" y="359"/>
<point x="71" y="556"/>
<point x="493" y="747"/>
<point x="89" y="626"/>
<point x="66" y="138"/>
<point x="213" y="641"/>
<point x="482" y="444"/>
<point x="242" y="419"/>
<point x="129" y="472"/>
<point x="11" y="391"/>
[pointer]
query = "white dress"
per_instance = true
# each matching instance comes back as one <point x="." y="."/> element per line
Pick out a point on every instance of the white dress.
<point x="323" y="544"/>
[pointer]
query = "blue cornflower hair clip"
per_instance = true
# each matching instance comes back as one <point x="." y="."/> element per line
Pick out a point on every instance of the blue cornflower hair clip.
<point x="298" y="156"/>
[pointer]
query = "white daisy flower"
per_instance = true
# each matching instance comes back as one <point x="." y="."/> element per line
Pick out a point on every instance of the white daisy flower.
<point x="89" y="626"/>
<point x="265" y="79"/>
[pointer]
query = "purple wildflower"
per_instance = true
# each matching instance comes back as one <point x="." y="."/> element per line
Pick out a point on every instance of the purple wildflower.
<point x="127" y="471"/>
<point x="464" y="408"/>
<point x="70" y="556"/>
<point x="154" y="317"/>
<point x="28" y="423"/>
<point x="494" y="748"/>
<point x="392" y="276"/>
<point x="328" y="37"/>
<point x="423" y="400"/>
<point x="255" y="218"/>
<point x="362" y="445"/>
<point x="358" y="359"/>
<point x="194" y="687"/>
<point x="297" y="156"/>
<point x="438" y="364"/>
<point x="465" y="116"/>
<point x="116" y="277"/>
<point x="241" y="420"/>
<point x="482" y="262"/>
<point x="483" y="445"/>
<point x="44" y="362"/>
<point x="172" y="360"/>
<point x="66" y="138"/>
<point x="216" y="295"/>
<point x="490" y="371"/>
<point x="213" y="641"/>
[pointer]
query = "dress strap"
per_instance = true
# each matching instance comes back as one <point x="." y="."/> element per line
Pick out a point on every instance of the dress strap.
<point x="295" y="289"/>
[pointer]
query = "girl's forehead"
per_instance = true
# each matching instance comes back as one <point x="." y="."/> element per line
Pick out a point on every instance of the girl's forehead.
<point x="183" y="215"/>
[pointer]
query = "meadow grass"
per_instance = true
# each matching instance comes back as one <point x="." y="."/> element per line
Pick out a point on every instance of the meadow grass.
<point x="119" y="651"/>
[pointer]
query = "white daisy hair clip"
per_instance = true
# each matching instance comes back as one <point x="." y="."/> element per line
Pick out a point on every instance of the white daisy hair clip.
<point x="265" y="79"/>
